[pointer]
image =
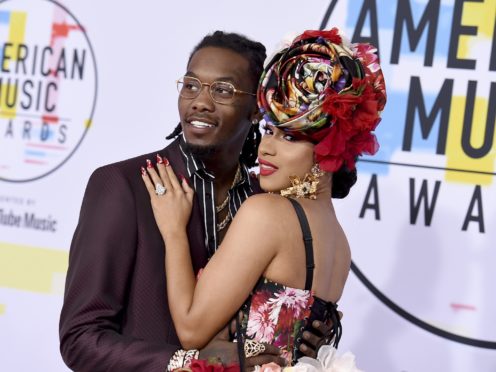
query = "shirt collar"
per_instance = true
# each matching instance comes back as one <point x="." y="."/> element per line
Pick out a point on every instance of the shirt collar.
<point x="193" y="165"/>
<point x="197" y="167"/>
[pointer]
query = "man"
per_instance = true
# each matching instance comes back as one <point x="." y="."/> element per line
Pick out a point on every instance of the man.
<point x="115" y="315"/>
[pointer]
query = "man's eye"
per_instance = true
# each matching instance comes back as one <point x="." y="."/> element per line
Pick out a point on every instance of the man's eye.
<point x="190" y="86"/>
<point x="222" y="89"/>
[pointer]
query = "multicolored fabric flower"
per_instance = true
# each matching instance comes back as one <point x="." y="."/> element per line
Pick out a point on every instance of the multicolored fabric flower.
<point x="328" y="91"/>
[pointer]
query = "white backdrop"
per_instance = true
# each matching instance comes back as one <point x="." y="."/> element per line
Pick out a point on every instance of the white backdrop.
<point x="438" y="272"/>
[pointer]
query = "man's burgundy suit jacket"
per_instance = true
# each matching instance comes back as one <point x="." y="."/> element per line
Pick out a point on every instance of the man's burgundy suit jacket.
<point x="115" y="315"/>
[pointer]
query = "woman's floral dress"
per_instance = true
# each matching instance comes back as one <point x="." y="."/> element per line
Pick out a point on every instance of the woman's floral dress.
<point x="278" y="315"/>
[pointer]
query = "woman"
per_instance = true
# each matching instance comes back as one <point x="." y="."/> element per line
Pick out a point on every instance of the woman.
<point x="321" y="98"/>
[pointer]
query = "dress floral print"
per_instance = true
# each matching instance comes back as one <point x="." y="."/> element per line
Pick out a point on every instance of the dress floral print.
<point x="277" y="314"/>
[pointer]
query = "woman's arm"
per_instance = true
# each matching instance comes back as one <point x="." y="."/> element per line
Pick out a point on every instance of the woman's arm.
<point x="200" y="309"/>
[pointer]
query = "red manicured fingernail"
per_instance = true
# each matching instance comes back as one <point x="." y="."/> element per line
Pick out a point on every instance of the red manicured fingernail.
<point x="159" y="159"/>
<point x="183" y="179"/>
<point x="143" y="171"/>
<point x="166" y="162"/>
<point x="149" y="163"/>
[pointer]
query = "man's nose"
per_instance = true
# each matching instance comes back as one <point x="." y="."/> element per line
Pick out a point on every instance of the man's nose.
<point x="204" y="101"/>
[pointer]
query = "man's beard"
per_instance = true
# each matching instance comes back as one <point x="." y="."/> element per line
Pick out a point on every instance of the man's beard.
<point x="202" y="152"/>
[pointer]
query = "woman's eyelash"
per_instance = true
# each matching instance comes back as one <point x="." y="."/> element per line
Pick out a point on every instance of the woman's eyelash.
<point x="266" y="128"/>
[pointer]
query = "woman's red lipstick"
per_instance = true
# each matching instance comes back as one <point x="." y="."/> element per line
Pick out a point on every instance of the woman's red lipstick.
<point x="266" y="168"/>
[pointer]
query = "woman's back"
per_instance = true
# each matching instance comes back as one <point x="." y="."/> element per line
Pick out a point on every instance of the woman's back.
<point x="330" y="247"/>
<point x="305" y="278"/>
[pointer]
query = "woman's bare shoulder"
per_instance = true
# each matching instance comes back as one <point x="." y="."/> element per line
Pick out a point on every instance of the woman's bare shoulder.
<point x="259" y="222"/>
<point x="265" y="204"/>
<point x="262" y="210"/>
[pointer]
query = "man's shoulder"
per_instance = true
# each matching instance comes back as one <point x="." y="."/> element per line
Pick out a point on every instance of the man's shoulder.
<point x="129" y="170"/>
<point x="132" y="165"/>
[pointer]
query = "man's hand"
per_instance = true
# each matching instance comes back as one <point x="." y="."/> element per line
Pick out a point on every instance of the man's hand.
<point x="221" y="348"/>
<point x="271" y="354"/>
<point x="321" y="335"/>
<point x="227" y="351"/>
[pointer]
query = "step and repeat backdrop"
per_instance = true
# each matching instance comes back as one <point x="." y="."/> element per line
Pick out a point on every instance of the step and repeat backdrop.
<point x="86" y="83"/>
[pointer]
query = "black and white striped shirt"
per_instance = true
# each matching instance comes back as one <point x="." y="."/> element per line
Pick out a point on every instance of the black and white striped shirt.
<point x="203" y="183"/>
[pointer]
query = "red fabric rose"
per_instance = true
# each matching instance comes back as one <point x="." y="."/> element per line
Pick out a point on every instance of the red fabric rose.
<point x="201" y="365"/>
<point x="332" y="35"/>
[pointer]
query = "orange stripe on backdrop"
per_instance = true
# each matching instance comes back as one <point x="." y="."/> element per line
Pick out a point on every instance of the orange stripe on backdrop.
<point x="32" y="269"/>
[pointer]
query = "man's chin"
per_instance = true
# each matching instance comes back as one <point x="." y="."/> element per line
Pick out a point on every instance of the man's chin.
<point x="202" y="151"/>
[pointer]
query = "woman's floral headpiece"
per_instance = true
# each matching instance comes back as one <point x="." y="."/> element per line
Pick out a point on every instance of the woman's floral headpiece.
<point x="328" y="91"/>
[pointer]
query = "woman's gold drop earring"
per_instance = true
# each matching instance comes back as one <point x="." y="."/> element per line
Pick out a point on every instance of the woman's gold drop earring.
<point x="306" y="188"/>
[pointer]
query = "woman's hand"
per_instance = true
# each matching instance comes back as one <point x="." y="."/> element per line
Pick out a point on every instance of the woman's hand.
<point x="172" y="206"/>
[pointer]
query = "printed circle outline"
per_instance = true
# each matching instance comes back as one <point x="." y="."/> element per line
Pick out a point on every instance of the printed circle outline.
<point x="76" y="147"/>
<point x="414" y="320"/>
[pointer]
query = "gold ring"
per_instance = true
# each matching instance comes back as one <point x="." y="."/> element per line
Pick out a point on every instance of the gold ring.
<point x="253" y="348"/>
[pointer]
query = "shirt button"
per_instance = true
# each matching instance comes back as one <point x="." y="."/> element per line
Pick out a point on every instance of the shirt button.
<point x="208" y="196"/>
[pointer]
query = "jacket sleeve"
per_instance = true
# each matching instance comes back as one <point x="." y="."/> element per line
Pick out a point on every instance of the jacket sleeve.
<point x="101" y="262"/>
